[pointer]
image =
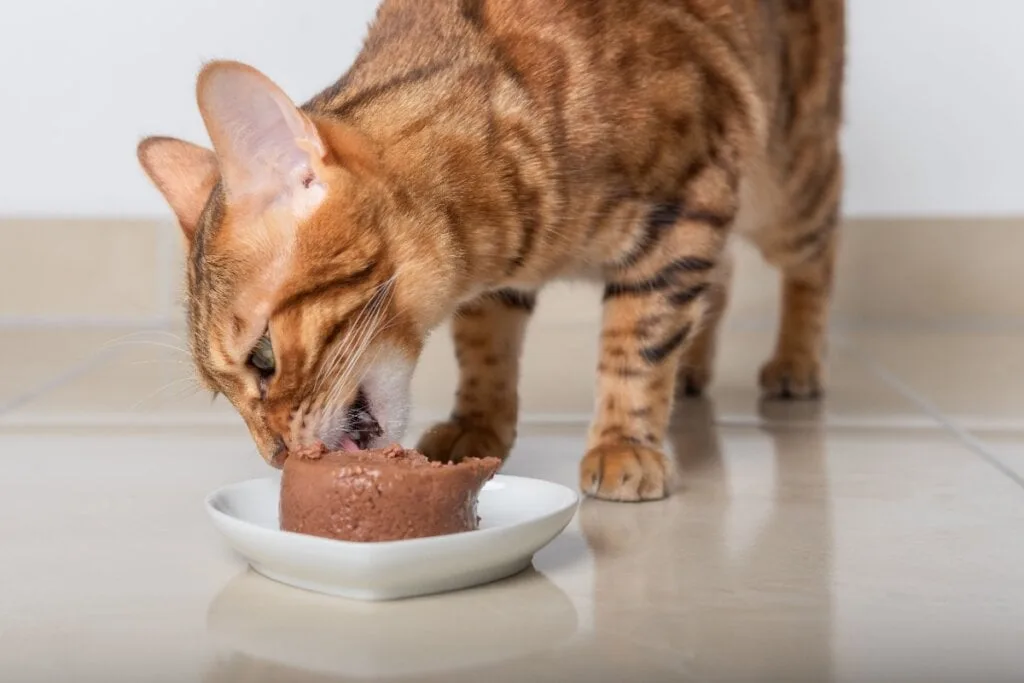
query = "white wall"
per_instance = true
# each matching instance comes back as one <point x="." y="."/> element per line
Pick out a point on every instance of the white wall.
<point x="83" y="81"/>
<point x="934" y="123"/>
<point x="935" y="107"/>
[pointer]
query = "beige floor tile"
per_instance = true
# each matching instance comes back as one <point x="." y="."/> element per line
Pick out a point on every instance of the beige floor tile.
<point x="144" y="376"/>
<point x="854" y="394"/>
<point x="105" y="541"/>
<point x="33" y="357"/>
<point x="975" y="379"/>
<point x="559" y="365"/>
<point x="1006" y="447"/>
<point x="788" y="555"/>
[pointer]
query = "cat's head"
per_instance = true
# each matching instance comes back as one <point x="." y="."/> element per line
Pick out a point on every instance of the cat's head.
<point x="307" y="300"/>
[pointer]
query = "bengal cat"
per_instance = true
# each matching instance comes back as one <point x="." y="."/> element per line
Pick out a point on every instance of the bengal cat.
<point x="478" y="149"/>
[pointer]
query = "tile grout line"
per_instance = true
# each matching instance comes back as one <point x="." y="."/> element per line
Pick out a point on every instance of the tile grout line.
<point x="931" y="417"/>
<point x="527" y="419"/>
<point x="971" y="442"/>
<point x="184" y="419"/>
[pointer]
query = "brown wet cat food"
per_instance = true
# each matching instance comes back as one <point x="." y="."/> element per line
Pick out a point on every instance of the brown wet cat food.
<point x="381" y="495"/>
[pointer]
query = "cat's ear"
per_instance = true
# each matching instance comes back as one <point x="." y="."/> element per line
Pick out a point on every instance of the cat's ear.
<point x="184" y="173"/>
<point x="268" y="150"/>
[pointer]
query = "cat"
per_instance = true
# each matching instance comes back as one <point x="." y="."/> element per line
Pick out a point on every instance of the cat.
<point x="478" y="149"/>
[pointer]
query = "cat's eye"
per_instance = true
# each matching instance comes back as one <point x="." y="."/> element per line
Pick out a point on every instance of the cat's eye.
<point x="262" y="357"/>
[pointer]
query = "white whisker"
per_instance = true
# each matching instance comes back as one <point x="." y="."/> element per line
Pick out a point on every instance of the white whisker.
<point x="369" y="337"/>
<point x="370" y="328"/>
<point x="328" y="366"/>
<point x="143" y="342"/>
<point x="162" y="389"/>
<point x="162" y="361"/>
<point x="359" y="346"/>
<point x="143" y="333"/>
<point x="362" y="319"/>
<point x="348" y="355"/>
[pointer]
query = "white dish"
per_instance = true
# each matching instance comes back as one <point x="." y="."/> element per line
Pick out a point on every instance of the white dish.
<point x="518" y="517"/>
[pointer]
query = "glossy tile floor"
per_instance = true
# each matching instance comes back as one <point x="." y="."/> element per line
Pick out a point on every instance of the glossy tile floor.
<point x="878" y="536"/>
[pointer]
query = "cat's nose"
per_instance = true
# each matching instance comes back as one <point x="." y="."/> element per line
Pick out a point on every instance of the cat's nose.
<point x="279" y="454"/>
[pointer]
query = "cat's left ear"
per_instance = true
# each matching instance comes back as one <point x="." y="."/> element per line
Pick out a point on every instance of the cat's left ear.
<point x="184" y="173"/>
<point x="267" y="150"/>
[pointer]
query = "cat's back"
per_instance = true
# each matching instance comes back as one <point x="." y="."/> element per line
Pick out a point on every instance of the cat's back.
<point x="630" y="90"/>
<point x="603" y="57"/>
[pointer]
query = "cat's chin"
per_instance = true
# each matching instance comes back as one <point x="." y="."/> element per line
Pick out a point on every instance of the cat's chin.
<point x="386" y="385"/>
<point x="380" y="414"/>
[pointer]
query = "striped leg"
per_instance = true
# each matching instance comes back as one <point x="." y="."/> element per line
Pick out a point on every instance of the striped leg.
<point x="698" y="359"/>
<point x="795" y="369"/>
<point x="807" y="261"/>
<point x="654" y="303"/>
<point x="488" y="335"/>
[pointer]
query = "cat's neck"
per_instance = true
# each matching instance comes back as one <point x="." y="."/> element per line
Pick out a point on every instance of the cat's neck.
<point x="456" y="196"/>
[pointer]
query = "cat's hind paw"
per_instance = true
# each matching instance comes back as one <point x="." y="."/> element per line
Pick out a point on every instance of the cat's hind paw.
<point x="691" y="382"/>
<point x="795" y="378"/>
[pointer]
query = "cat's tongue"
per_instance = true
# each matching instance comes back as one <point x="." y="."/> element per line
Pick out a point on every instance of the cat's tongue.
<point x="348" y="445"/>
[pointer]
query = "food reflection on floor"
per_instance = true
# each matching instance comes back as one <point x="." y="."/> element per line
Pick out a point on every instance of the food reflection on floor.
<point x="874" y="537"/>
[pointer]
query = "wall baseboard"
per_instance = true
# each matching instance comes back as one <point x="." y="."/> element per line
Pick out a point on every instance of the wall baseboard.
<point x="895" y="273"/>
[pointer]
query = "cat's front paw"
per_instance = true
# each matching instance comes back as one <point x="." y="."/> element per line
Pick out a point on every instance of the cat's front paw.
<point x="624" y="472"/>
<point x="453" y="440"/>
<point x="792" y="377"/>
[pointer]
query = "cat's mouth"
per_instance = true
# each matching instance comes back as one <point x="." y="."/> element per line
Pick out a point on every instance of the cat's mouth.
<point x="376" y="414"/>
<point x="362" y="427"/>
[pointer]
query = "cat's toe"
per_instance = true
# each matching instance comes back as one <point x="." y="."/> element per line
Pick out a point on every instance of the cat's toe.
<point x="623" y="472"/>
<point x="452" y="441"/>
<point x="796" y="377"/>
